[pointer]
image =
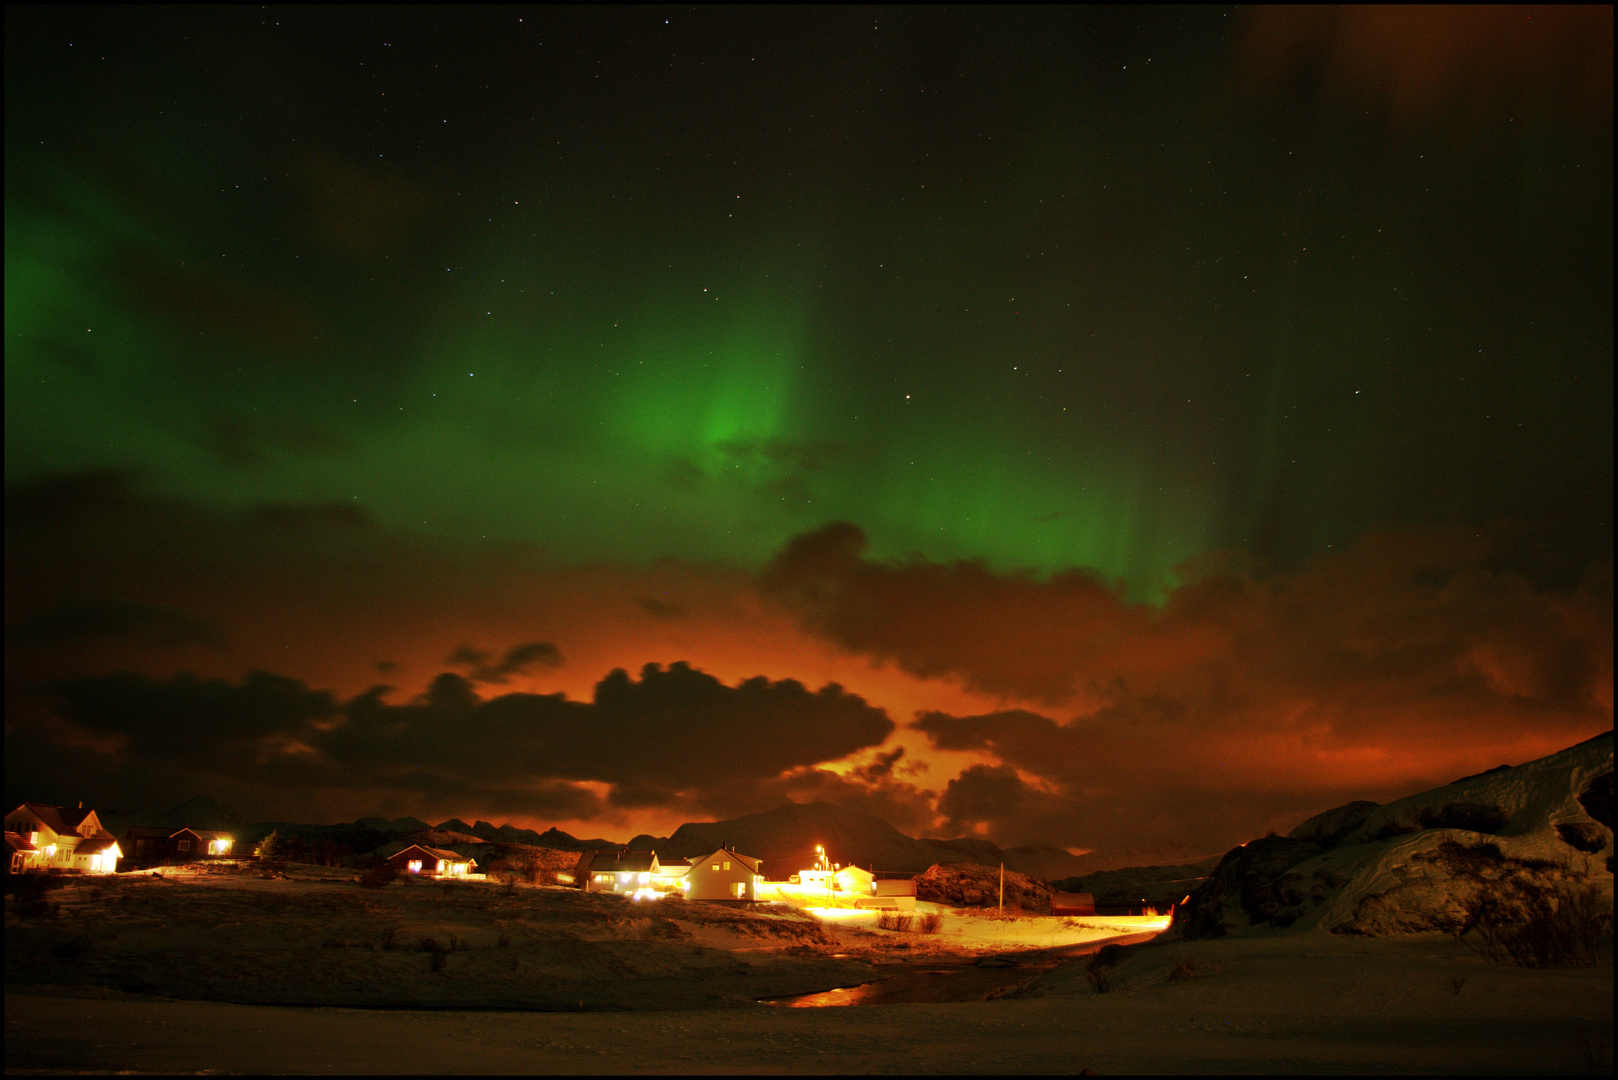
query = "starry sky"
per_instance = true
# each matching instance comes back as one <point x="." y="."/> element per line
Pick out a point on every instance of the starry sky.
<point x="1089" y="427"/>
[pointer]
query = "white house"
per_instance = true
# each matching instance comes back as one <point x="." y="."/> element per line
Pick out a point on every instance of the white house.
<point x="724" y="875"/>
<point x="41" y="837"/>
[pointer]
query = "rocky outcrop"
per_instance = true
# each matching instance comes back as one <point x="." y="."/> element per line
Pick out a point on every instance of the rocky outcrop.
<point x="1501" y="841"/>
<point x="1334" y="824"/>
<point x="971" y="885"/>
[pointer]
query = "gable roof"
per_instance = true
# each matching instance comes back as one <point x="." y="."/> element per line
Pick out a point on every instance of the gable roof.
<point x="19" y="842"/>
<point x="155" y="832"/>
<point x="746" y="860"/>
<point x="619" y="862"/>
<point x="75" y="817"/>
<point x="441" y="854"/>
<point x="46" y="815"/>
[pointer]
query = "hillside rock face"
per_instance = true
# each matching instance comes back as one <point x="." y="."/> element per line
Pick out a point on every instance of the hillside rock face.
<point x="1334" y="824"/>
<point x="1423" y="863"/>
<point x="972" y="885"/>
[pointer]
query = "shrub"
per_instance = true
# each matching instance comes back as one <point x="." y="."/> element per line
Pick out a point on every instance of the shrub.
<point x="1542" y="926"/>
<point x="1186" y="968"/>
<point x="1099" y="969"/>
<point x="375" y="877"/>
<point x="888" y="919"/>
<point x="390" y="938"/>
<point x="930" y="923"/>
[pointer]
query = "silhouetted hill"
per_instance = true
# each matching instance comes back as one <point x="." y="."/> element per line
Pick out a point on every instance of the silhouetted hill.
<point x="1508" y="842"/>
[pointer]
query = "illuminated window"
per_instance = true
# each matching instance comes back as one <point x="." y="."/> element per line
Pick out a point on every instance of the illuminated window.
<point x="727" y="865"/>
<point x="414" y="865"/>
<point x="716" y="866"/>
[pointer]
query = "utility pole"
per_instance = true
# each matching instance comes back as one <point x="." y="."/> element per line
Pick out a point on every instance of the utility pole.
<point x="1002" y="888"/>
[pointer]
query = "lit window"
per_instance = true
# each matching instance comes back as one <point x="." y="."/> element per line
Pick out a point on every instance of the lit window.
<point x="716" y="866"/>
<point x="415" y="866"/>
<point x="727" y="865"/>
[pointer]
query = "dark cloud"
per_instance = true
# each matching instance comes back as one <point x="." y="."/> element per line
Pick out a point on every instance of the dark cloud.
<point x="656" y="739"/>
<point x="1421" y="65"/>
<point x="518" y="660"/>
<point x="191" y="719"/>
<point x="1404" y="661"/>
<point x="1007" y="634"/>
<point x="144" y="624"/>
<point x="659" y="609"/>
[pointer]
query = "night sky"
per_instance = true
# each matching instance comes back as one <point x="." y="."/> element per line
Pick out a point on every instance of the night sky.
<point x="1103" y="428"/>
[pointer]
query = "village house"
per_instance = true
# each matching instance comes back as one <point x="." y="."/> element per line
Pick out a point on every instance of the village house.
<point x="724" y="875"/>
<point x="41" y="837"/>
<point x="431" y="862"/>
<point x="622" y="871"/>
<point x="150" y="844"/>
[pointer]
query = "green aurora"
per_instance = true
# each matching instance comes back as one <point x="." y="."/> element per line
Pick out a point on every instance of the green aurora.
<point x="1125" y="327"/>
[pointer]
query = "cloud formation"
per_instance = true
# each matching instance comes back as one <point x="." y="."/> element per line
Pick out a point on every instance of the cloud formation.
<point x="1410" y="659"/>
<point x="672" y="737"/>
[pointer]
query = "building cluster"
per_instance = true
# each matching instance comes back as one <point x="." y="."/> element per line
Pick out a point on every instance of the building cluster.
<point x="43" y="838"/>
<point x="46" y="838"/>
<point x="726" y="874"/>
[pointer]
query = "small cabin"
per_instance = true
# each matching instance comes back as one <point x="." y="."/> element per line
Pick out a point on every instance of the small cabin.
<point x="724" y="875"/>
<point x="618" y="871"/>
<point x="431" y="862"/>
<point x="150" y="843"/>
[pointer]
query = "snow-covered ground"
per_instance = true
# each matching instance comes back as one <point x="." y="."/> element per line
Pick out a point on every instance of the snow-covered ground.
<point x="1288" y="1004"/>
<point x="976" y="931"/>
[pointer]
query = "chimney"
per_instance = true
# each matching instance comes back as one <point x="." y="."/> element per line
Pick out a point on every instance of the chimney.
<point x="81" y="804"/>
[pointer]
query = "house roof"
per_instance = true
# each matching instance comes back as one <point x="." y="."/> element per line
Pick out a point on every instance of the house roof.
<point x="441" y="854"/>
<point x="619" y="862"/>
<point x="90" y="847"/>
<point x="746" y="860"/>
<point x="73" y="817"/>
<point x="47" y="815"/>
<point x="163" y="832"/>
<point x="19" y="842"/>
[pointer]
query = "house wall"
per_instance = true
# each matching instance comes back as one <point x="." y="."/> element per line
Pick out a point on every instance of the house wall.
<point x="705" y="883"/>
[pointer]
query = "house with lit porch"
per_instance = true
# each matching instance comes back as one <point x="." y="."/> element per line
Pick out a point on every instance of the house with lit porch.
<point x="153" y="843"/>
<point x="42" y="837"/>
<point x="627" y="872"/>
<point x="431" y="862"/>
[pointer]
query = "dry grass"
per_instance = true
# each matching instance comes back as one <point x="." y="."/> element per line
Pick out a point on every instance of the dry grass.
<point x="1099" y="971"/>
<point x="1543" y="926"/>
